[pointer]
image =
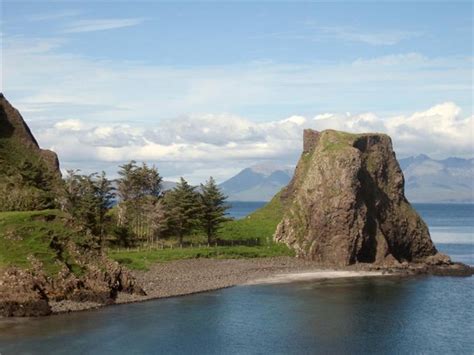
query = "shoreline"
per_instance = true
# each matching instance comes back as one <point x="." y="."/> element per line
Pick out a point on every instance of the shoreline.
<point x="191" y="276"/>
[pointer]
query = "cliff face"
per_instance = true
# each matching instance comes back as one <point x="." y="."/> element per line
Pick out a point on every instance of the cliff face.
<point x="346" y="204"/>
<point x="29" y="175"/>
<point x="13" y="126"/>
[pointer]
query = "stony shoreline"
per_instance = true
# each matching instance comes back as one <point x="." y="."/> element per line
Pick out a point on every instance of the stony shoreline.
<point x="185" y="277"/>
<point x="190" y="276"/>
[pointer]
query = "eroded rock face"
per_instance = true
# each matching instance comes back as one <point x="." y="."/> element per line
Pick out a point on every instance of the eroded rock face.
<point x="27" y="293"/>
<point x="22" y="294"/>
<point x="12" y="125"/>
<point x="346" y="204"/>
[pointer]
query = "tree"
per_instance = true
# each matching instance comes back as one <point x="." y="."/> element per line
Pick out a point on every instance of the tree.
<point x="105" y="195"/>
<point x="136" y="181"/>
<point x="139" y="190"/>
<point x="214" y="208"/>
<point x="156" y="218"/>
<point x="86" y="199"/>
<point x="183" y="209"/>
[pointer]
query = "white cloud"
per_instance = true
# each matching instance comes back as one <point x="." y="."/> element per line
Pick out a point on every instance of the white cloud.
<point x="81" y="26"/>
<point x="218" y="140"/>
<point x="98" y="113"/>
<point x="40" y="78"/>
<point x="69" y="125"/>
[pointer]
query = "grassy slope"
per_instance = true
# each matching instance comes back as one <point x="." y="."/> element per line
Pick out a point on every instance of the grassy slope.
<point x="33" y="233"/>
<point x="260" y="225"/>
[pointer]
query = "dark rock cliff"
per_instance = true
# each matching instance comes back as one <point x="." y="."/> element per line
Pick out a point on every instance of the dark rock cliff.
<point x="346" y="204"/>
<point x="12" y="126"/>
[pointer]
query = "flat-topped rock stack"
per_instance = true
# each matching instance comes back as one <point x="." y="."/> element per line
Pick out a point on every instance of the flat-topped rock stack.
<point x="346" y="205"/>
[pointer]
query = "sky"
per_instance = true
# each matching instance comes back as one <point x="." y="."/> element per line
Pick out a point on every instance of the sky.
<point x="209" y="88"/>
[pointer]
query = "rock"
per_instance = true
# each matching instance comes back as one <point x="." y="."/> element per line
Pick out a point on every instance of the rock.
<point x="29" y="293"/>
<point x="453" y="269"/>
<point x="101" y="280"/>
<point x="12" y="126"/>
<point x="438" y="259"/>
<point x="22" y="295"/>
<point x="346" y="204"/>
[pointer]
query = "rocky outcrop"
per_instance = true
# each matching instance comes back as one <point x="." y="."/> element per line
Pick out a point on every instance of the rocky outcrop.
<point x="28" y="293"/>
<point x="346" y="204"/>
<point x="22" y="294"/>
<point x="12" y="126"/>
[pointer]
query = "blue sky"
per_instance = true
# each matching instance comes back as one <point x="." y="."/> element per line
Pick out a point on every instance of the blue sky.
<point x="208" y="88"/>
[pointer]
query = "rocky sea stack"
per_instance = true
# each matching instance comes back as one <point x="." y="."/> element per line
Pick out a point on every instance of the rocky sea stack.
<point x="346" y="205"/>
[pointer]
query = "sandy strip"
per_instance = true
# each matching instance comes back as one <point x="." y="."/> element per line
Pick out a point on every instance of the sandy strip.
<point x="309" y="276"/>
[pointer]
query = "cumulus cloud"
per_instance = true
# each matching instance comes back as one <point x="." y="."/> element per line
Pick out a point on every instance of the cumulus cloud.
<point x="97" y="113"/>
<point x="218" y="140"/>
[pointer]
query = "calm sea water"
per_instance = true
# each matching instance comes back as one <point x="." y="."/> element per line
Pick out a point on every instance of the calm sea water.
<point x="429" y="315"/>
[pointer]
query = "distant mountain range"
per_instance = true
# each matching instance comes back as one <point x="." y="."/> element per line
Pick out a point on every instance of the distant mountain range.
<point x="257" y="183"/>
<point x="430" y="180"/>
<point x="426" y="180"/>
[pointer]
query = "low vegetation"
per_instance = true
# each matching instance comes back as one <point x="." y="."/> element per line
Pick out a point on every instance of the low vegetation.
<point x="258" y="226"/>
<point x="142" y="259"/>
<point x="27" y="237"/>
<point x="25" y="181"/>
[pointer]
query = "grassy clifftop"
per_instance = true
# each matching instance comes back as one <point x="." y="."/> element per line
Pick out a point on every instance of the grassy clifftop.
<point x="29" y="237"/>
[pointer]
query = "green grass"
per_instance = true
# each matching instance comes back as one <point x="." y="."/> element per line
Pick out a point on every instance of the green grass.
<point x="260" y="225"/>
<point x="141" y="260"/>
<point x="334" y="141"/>
<point x="34" y="233"/>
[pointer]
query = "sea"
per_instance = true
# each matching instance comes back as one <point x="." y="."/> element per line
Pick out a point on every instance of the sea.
<point x="379" y="315"/>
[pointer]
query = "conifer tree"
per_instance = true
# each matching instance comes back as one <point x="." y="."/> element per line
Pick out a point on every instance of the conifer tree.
<point x="105" y="194"/>
<point x="183" y="209"/>
<point x="139" y="189"/>
<point x="87" y="199"/>
<point x="214" y="208"/>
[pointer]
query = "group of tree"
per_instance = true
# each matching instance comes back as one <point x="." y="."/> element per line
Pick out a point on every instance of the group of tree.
<point x="87" y="199"/>
<point x="188" y="209"/>
<point x="143" y="212"/>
